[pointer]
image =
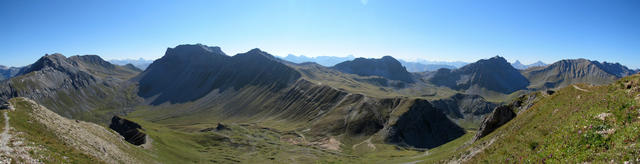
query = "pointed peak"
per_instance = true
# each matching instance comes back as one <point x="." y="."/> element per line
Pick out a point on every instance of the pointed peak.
<point x="257" y="52"/>
<point x="498" y="57"/>
<point x="517" y="62"/>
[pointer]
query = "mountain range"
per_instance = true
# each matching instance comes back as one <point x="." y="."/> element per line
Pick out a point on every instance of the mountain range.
<point x="139" y="63"/>
<point x="518" y="65"/>
<point x="418" y="66"/>
<point x="197" y="103"/>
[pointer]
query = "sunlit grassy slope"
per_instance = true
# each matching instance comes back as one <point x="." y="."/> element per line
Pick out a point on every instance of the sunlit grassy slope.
<point x="577" y="124"/>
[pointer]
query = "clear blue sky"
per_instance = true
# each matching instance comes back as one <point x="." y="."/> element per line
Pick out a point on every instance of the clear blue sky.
<point x="447" y="30"/>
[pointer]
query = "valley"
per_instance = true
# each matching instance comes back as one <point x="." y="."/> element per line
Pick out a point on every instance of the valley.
<point x="197" y="104"/>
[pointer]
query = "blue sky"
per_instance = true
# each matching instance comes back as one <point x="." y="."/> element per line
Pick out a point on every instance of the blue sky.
<point x="447" y="30"/>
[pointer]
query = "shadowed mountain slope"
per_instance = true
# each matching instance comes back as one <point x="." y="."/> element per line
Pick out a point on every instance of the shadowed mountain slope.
<point x="494" y="74"/>
<point x="255" y="87"/>
<point x="387" y="67"/>
<point x="189" y="72"/>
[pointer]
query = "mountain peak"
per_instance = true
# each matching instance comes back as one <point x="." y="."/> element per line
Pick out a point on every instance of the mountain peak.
<point x="256" y="53"/>
<point x="517" y="62"/>
<point x="194" y="49"/>
<point x="494" y="74"/>
<point x="388" y="58"/>
<point x="496" y="58"/>
<point x="386" y="66"/>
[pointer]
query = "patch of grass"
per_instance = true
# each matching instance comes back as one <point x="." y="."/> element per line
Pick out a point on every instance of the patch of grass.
<point x="54" y="150"/>
<point x="565" y="128"/>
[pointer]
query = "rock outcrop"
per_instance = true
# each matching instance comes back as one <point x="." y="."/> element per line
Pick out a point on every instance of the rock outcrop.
<point x="500" y="116"/>
<point x="129" y="130"/>
<point x="505" y="113"/>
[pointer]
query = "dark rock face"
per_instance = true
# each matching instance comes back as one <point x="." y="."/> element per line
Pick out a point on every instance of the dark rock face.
<point x="500" y="116"/>
<point x="423" y="126"/>
<point x="387" y="67"/>
<point x="129" y="130"/>
<point x="505" y="113"/>
<point x="495" y="74"/>
<point x="188" y="72"/>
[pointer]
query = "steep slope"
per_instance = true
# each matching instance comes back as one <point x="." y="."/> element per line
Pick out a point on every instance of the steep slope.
<point x="577" y="124"/>
<point x="189" y="72"/>
<point x="40" y="135"/>
<point x="566" y="72"/>
<point x="72" y="86"/>
<point x="387" y="67"/>
<point x="494" y="74"/>
<point x="254" y="87"/>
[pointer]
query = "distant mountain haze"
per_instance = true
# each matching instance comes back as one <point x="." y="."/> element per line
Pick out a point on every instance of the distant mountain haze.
<point x="140" y="63"/>
<point x="521" y="66"/>
<point x="417" y="66"/>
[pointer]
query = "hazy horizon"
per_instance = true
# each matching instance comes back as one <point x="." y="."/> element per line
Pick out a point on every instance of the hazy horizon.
<point x="465" y="31"/>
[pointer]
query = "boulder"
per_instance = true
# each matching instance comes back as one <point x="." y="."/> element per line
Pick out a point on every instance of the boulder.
<point x="129" y="130"/>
